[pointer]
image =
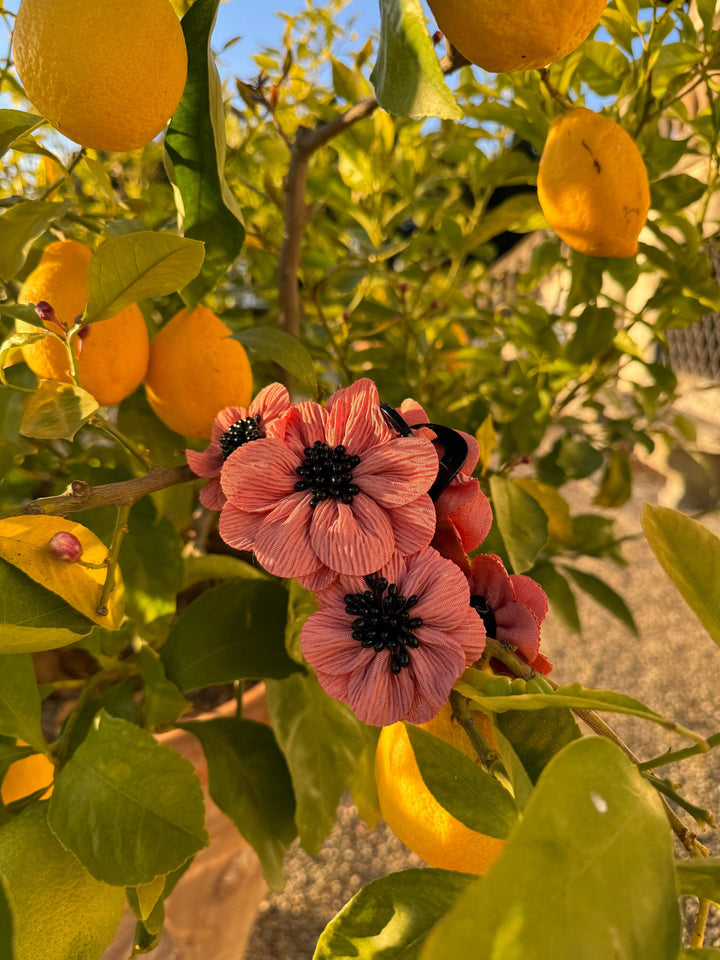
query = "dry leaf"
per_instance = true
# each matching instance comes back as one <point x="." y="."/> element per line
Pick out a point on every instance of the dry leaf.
<point x="24" y="543"/>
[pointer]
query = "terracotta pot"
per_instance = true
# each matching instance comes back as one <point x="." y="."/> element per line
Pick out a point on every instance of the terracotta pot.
<point x="211" y="911"/>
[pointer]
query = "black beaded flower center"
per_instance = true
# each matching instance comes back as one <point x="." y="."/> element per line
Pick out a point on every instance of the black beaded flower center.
<point x="240" y="433"/>
<point x="486" y="612"/>
<point x="382" y="620"/>
<point x="327" y="471"/>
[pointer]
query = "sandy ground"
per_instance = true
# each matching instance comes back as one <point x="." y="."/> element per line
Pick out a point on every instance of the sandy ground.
<point x="674" y="667"/>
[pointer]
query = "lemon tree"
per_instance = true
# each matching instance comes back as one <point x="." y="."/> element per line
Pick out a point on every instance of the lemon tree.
<point x="487" y="216"/>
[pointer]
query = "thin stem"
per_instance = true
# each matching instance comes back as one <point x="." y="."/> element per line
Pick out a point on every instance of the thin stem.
<point x="66" y="173"/>
<point x="701" y="918"/>
<point x="563" y="100"/>
<point x="81" y="496"/>
<point x="97" y="420"/>
<point x="505" y="653"/>
<point x="121" y="528"/>
<point x="461" y="710"/>
<point x="239" y="690"/>
<point x="91" y="686"/>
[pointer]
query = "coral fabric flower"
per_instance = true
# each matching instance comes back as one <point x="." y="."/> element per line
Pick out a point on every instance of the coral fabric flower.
<point x="464" y="516"/>
<point x="233" y="427"/>
<point x="512" y="607"/>
<point x="339" y="493"/>
<point x="392" y="644"/>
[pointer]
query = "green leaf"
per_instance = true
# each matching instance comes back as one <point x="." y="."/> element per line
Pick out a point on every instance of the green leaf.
<point x="587" y="873"/>
<point x="151" y="562"/>
<point x="217" y="566"/>
<point x="7" y="949"/>
<point x="33" y="618"/>
<point x="195" y="158"/>
<point x="286" y="351"/>
<point x="20" y="226"/>
<point x="129" y="808"/>
<point x="347" y="83"/>
<point x="249" y="780"/>
<point x="701" y="815"/>
<point x="390" y="918"/>
<point x="690" y="555"/>
<point x="707" y="9"/>
<point x="520" y="213"/>
<point x="57" y="411"/>
<point x="407" y="77"/>
<point x="616" y="484"/>
<point x="461" y="786"/>
<point x="522" y="784"/>
<point x="143" y="898"/>
<point x="20" y="701"/>
<point x="15" y="124"/>
<point x="594" y="334"/>
<point x="676" y="192"/>
<point x="242" y="625"/>
<point x="496" y="694"/>
<point x="578" y="458"/>
<point x="562" y="600"/>
<point x="603" y="67"/>
<point x="536" y="743"/>
<point x="163" y="703"/>
<point x="606" y="596"/>
<point x="699" y="878"/>
<point x="521" y="520"/>
<point x="321" y="739"/>
<point x="128" y="269"/>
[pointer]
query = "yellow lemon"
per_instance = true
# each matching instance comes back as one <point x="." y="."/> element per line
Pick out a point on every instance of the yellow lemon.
<point x="412" y="812"/>
<point x="196" y="371"/>
<point x="59" y="911"/>
<point x="26" y="776"/>
<point x="107" y="75"/>
<point x="521" y="35"/>
<point x="592" y="185"/>
<point x="112" y="354"/>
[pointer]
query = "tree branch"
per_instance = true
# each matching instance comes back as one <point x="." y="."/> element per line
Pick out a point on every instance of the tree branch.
<point x="81" y="496"/>
<point x="297" y="214"/>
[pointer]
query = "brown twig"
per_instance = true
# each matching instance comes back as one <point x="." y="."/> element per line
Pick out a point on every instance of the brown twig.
<point x="81" y="496"/>
<point x="297" y="212"/>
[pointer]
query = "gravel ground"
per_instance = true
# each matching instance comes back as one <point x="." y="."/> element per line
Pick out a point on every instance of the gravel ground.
<point x="674" y="667"/>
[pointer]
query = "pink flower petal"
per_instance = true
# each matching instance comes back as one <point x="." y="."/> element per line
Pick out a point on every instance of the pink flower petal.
<point x="471" y="636"/>
<point x="328" y="646"/>
<point x="259" y="474"/>
<point x="224" y="420"/>
<point x="206" y="463"/>
<point x="542" y="664"/>
<point x="517" y="624"/>
<point x="468" y="509"/>
<point x="319" y="579"/>
<point x="271" y="403"/>
<point x="489" y="579"/>
<point x="211" y="495"/>
<point x="351" y="538"/>
<point x="355" y="418"/>
<point x="397" y="472"/>
<point x="436" y="664"/>
<point x="304" y="425"/>
<point x="413" y="525"/>
<point x="238" y="528"/>
<point x="531" y="594"/>
<point x="376" y="695"/>
<point x="444" y="595"/>
<point x="282" y="544"/>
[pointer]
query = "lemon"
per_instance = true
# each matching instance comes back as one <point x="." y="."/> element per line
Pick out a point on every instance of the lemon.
<point x="521" y="35"/>
<point x="412" y="812"/>
<point x="108" y="75"/>
<point x="592" y="185"/>
<point x="113" y="354"/>
<point x="26" y="776"/>
<point x="59" y="911"/>
<point x="196" y="371"/>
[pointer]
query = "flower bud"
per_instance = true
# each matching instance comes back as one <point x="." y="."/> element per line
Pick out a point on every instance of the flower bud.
<point x="66" y="546"/>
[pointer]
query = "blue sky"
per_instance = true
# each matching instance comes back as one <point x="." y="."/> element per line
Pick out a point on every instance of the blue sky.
<point x="263" y="27"/>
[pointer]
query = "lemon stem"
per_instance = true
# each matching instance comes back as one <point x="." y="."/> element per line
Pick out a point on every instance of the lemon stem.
<point x="461" y="710"/>
<point x="701" y="918"/>
<point x="121" y="528"/>
<point x="553" y="90"/>
<point x="66" y="172"/>
<point x="505" y="653"/>
<point x="101" y="423"/>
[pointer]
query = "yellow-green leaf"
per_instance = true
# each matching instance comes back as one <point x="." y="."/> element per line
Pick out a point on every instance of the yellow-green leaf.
<point x="24" y="543"/>
<point x="487" y="439"/>
<point x="57" y="410"/>
<point x="560" y="525"/>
